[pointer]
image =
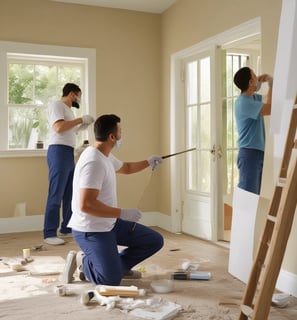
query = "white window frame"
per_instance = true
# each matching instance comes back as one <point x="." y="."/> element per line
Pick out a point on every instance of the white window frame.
<point x="88" y="55"/>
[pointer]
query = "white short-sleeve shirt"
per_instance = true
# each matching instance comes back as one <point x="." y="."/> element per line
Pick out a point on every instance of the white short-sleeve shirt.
<point x="58" y="110"/>
<point x="94" y="171"/>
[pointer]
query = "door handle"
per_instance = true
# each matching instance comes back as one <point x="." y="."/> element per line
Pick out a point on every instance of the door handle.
<point x="216" y="152"/>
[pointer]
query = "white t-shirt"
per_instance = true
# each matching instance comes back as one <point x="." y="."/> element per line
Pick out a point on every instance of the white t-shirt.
<point x="58" y="110"/>
<point x="94" y="171"/>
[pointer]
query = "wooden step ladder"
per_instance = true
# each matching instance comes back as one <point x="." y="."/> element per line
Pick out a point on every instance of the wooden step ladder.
<point x="273" y="242"/>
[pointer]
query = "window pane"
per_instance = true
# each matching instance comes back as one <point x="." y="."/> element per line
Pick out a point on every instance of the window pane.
<point x="20" y="83"/>
<point x="205" y="133"/>
<point x="45" y="84"/>
<point x="191" y="126"/>
<point x="70" y="73"/>
<point x="204" y="80"/>
<point x="26" y="127"/>
<point x="192" y="83"/>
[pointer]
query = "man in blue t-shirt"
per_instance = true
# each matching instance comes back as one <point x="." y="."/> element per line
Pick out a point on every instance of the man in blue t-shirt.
<point x="249" y="112"/>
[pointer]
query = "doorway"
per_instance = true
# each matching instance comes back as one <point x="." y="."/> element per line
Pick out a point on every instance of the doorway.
<point x="202" y="115"/>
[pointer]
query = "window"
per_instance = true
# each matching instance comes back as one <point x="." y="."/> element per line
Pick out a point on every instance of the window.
<point x="33" y="76"/>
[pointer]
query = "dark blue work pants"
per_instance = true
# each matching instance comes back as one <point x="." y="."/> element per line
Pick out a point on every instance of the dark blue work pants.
<point x="250" y="165"/>
<point x="103" y="263"/>
<point x="60" y="160"/>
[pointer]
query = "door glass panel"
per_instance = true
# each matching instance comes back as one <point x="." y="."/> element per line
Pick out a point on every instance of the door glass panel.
<point x="198" y="124"/>
<point x="204" y="127"/>
<point x="204" y="80"/>
<point x="192" y="141"/>
<point x="192" y="83"/>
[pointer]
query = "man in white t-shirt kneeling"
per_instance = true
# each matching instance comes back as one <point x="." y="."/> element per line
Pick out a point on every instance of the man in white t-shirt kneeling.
<point x="98" y="225"/>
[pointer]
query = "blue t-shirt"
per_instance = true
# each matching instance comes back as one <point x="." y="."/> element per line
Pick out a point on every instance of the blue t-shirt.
<point x="250" y="124"/>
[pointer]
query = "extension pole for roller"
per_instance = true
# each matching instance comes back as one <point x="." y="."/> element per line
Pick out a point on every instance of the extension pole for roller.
<point x="175" y="154"/>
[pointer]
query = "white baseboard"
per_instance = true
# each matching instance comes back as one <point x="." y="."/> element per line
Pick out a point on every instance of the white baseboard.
<point x="157" y="219"/>
<point x="21" y="224"/>
<point x="287" y="282"/>
<point x="35" y="223"/>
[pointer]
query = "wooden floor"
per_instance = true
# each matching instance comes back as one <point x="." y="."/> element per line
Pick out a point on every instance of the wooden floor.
<point x="218" y="298"/>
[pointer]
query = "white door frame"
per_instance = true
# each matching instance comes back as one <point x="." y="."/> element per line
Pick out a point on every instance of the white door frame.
<point x="226" y="38"/>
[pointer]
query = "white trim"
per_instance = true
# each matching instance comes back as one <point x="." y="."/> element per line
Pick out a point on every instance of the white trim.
<point x="287" y="282"/>
<point x="35" y="223"/>
<point x="245" y="30"/>
<point x="21" y="224"/>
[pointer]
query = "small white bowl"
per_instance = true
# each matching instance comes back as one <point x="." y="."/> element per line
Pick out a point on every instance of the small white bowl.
<point x="162" y="286"/>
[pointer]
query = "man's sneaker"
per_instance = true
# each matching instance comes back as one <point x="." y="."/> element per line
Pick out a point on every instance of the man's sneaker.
<point x="54" y="241"/>
<point x="79" y="264"/>
<point x="65" y="235"/>
<point x="132" y="274"/>
<point x="69" y="268"/>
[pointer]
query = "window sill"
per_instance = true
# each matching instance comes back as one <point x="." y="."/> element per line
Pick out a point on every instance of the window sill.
<point x="23" y="153"/>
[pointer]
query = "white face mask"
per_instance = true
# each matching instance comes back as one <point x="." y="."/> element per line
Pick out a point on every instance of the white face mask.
<point x="118" y="144"/>
<point x="78" y="100"/>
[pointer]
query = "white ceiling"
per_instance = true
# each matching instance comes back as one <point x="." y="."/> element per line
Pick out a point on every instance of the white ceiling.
<point x="152" y="6"/>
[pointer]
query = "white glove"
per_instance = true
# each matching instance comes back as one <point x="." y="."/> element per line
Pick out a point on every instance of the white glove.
<point x="87" y="119"/>
<point x="154" y="161"/>
<point x="130" y="214"/>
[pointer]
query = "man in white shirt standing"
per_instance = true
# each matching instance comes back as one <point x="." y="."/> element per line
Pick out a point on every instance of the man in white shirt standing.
<point x="98" y="225"/>
<point x="63" y="127"/>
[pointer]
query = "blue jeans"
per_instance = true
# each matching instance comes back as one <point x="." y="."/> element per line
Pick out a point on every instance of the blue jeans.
<point x="60" y="160"/>
<point x="103" y="263"/>
<point x="250" y="165"/>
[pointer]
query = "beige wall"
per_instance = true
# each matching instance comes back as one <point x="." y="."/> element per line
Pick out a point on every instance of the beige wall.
<point x="128" y="51"/>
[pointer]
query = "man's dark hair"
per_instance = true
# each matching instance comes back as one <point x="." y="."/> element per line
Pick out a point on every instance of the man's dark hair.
<point x="242" y="78"/>
<point x="70" y="87"/>
<point x="105" y="125"/>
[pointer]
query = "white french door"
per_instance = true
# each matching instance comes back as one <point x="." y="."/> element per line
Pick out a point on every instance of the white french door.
<point x="201" y="117"/>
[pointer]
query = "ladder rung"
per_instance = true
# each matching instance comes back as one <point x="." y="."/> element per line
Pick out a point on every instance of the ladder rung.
<point x="271" y="218"/>
<point x="247" y="311"/>
<point x="281" y="182"/>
